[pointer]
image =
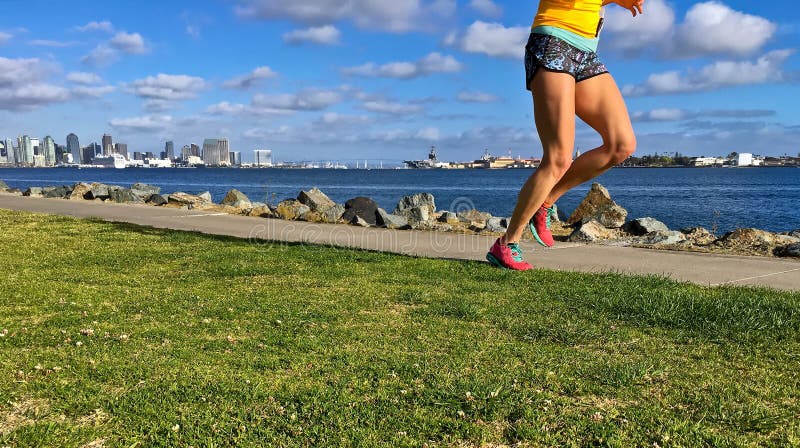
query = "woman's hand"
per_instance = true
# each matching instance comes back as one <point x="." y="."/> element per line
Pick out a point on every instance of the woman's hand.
<point x="634" y="6"/>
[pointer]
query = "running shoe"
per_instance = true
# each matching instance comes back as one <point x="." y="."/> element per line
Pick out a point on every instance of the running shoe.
<point x="540" y="225"/>
<point x="507" y="256"/>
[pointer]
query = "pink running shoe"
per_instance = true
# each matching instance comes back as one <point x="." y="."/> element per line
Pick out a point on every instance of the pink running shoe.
<point x="507" y="256"/>
<point x="540" y="225"/>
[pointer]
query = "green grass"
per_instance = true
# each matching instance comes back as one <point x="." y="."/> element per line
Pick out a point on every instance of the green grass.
<point x="210" y="341"/>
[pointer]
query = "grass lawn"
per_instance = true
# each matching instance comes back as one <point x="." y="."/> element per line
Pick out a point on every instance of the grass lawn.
<point x="117" y="335"/>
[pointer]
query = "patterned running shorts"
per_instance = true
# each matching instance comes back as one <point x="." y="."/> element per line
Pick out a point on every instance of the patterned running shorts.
<point x="556" y="55"/>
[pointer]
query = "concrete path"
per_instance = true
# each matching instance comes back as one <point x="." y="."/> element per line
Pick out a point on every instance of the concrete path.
<point x="704" y="269"/>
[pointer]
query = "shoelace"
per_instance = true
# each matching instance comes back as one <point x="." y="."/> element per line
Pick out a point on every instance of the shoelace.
<point x="552" y="212"/>
<point x="516" y="252"/>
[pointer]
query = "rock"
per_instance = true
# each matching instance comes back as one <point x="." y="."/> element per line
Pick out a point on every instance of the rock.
<point x="145" y="188"/>
<point x="698" y="236"/>
<point x="792" y="250"/>
<point x="750" y="241"/>
<point x="333" y="214"/>
<point x="124" y="195"/>
<point x="79" y="191"/>
<point x="182" y="199"/>
<point x="99" y="191"/>
<point x="291" y="209"/>
<point x="316" y="200"/>
<point x="662" y="238"/>
<point x="34" y="192"/>
<point x="3" y="186"/>
<point x="590" y="231"/>
<point x="391" y="221"/>
<point x="237" y="200"/>
<point x="795" y="233"/>
<point x="599" y="206"/>
<point x="57" y="192"/>
<point x="417" y="208"/>
<point x="363" y="207"/>
<point x="261" y="211"/>
<point x="474" y="217"/>
<point x="449" y="218"/>
<point x="643" y="226"/>
<point x="359" y="221"/>
<point x="156" y="199"/>
<point x="206" y="196"/>
<point x="496" y="225"/>
<point x="12" y="192"/>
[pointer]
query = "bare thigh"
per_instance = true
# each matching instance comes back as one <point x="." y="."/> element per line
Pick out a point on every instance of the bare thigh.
<point x="599" y="103"/>
<point x="554" y="111"/>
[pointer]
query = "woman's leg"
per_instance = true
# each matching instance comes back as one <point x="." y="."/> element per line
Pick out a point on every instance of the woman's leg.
<point x="554" y="111"/>
<point x="599" y="103"/>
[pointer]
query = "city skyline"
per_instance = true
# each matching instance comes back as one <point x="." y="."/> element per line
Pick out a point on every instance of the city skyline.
<point x="342" y="81"/>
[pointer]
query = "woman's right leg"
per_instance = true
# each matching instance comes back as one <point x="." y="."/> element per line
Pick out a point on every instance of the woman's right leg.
<point x="554" y="111"/>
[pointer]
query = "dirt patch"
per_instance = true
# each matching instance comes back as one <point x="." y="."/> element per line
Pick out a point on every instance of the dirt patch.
<point x="18" y="414"/>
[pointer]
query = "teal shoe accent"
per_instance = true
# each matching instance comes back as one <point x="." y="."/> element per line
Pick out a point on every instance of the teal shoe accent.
<point x="551" y="212"/>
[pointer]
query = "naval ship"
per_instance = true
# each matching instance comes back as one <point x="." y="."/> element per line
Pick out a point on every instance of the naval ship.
<point x="430" y="163"/>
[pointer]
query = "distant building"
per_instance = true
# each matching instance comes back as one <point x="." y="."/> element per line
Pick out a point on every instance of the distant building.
<point x="87" y="154"/>
<point x="121" y="149"/>
<point x="744" y="159"/>
<point x="74" y="148"/>
<point x="48" y="151"/>
<point x="169" y="148"/>
<point x="149" y="155"/>
<point x="138" y="155"/>
<point x="25" y="145"/>
<point x="11" y="153"/>
<point x="164" y="156"/>
<point x="215" y="152"/>
<point x="35" y="145"/>
<point x="707" y="161"/>
<point x="263" y="157"/>
<point x="194" y="160"/>
<point x="39" y="161"/>
<point x="236" y="158"/>
<point x="108" y="145"/>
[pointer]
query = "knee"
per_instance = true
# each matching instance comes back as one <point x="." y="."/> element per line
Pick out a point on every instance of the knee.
<point x="557" y="166"/>
<point x="621" y="148"/>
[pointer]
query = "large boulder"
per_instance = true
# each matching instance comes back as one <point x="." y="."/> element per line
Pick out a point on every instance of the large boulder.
<point x="591" y="231"/>
<point x="79" y="191"/>
<point x="181" y="199"/>
<point x="206" y="196"/>
<point x="753" y="241"/>
<point x="61" y="191"/>
<point x="643" y="226"/>
<point x="333" y="215"/>
<point x="598" y="206"/>
<point x="417" y="208"/>
<point x="391" y="221"/>
<point x="261" y="211"/>
<point x="125" y="195"/>
<point x="496" y="225"/>
<point x="698" y="236"/>
<point x="100" y="191"/>
<point x="661" y="238"/>
<point x="474" y="217"/>
<point x="361" y="207"/>
<point x="795" y="233"/>
<point x="448" y="218"/>
<point x="145" y="188"/>
<point x="157" y="200"/>
<point x="316" y="200"/>
<point x="237" y="200"/>
<point x="291" y="209"/>
<point x="3" y="186"/>
<point x="792" y="250"/>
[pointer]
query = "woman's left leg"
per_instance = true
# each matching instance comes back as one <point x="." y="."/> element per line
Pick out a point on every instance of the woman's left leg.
<point x="599" y="103"/>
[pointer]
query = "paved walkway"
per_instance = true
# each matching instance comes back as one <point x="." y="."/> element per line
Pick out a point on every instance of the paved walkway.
<point x="704" y="269"/>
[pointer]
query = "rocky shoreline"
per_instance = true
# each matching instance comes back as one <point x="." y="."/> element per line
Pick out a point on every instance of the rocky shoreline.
<point x="597" y="220"/>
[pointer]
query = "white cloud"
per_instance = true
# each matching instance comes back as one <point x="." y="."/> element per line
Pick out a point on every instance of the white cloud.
<point x="491" y="39"/>
<point x="387" y="107"/>
<point x="105" y="25"/>
<point x="84" y="78"/>
<point x="51" y="43"/>
<point x="487" y="7"/>
<point x="765" y="69"/>
<point x="708" y="29"/>
<point x="130" y="43"/>
<point x="23" y="84"/>
<point x="147" y="123"/>
<point x="4" y="37"/>
<point x="304" y="100"/>
<point x="250" y="79"/>
<point x="322" y="35"/>
<point x="101" y="56"/>
<point x="430" y="64"/>
<point x="167" y="87"/>
<point x="430" y="134"/>
<point x="385" y="15"/>
<point x="91" y="91"/>
<point x="476" y="97"/>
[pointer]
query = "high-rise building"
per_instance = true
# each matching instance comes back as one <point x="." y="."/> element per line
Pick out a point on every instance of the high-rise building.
<point x="37" y="145"/>
<point x="3" y="153"/>
<point x="25" y="150"/>
<point x="186" y="152"/>
<point x="263" y="157"/>
<point x="74" y="148"/>
<point x="11" y="152"/>
<point x="61" y="150"/>
<point x="87" y="154"/>
<point x="236" y="158"/>
<point x="211" y="152"/>
<point x="121" y="149"/>
<point x="195" y="150"/>
<point x="169" y="148"/>
<point x="138" y="156"/>
<point x="149" y="155"/>
<point x="108" y="145"/>
<point x="48" y="150"/>
<point x="224" y="151"/>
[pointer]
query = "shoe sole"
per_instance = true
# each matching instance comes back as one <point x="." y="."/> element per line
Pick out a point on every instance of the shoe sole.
<point x="495" y="262"/>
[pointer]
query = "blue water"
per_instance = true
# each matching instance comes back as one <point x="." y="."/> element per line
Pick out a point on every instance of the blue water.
<point x="715" y="198"/>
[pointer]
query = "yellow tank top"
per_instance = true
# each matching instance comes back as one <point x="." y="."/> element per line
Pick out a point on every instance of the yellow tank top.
<point x="581" y="17"/>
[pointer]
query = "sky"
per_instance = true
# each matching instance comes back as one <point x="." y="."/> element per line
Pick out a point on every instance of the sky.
<point x="384" y="80"/>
